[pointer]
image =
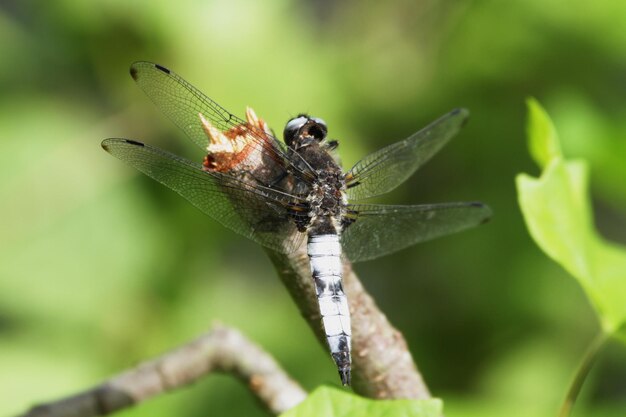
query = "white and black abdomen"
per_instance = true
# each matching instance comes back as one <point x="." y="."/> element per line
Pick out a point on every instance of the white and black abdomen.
<point x="325" y="257"/>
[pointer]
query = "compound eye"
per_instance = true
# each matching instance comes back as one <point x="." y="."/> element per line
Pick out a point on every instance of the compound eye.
<point x="292" y="128"/>
<point x="318" y="128"/>
<point x="320" y="121"/>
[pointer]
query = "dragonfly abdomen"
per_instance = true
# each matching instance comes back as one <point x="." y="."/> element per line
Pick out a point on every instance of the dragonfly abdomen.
<point x="325" y="257"/>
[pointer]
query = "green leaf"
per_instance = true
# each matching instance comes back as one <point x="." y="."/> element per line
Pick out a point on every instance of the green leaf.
<point x="543" y="141"/>
<point x="332" y="402"/>
<point x="557" y="212"/>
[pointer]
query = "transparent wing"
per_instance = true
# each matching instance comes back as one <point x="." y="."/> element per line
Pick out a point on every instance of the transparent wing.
<point x="384" y="170"/>
<point x="378" y="230"/>
<point x="255" y="211"/>
<point x="182" y="103"/>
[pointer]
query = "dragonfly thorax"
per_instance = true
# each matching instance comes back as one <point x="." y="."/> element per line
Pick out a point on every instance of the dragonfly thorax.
<point x="327" y="196"/>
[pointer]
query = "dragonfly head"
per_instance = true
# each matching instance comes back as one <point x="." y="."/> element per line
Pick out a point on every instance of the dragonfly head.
<point x="304" y="126"/>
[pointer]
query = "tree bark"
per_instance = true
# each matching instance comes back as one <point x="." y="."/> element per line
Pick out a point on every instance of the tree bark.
<point x="223" y="349"/>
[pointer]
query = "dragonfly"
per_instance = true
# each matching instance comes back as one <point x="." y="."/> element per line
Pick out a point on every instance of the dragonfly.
<point x="283" y="194"/>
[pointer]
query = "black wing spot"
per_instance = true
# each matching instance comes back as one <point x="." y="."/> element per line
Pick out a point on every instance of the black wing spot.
<point x="481" y="205"/>
<point x="159" y="67"/>
<point x="133" y="72"/>
<point x="353" y="184"/>
<point x="134" y="142"/>
<point x="460" y="110"/>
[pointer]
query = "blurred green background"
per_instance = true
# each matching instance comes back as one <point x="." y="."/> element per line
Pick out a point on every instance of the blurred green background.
<point x="100" y="267"/>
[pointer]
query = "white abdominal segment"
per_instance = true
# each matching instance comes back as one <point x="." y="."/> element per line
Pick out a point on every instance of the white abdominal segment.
<point x="325" y="258"/>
